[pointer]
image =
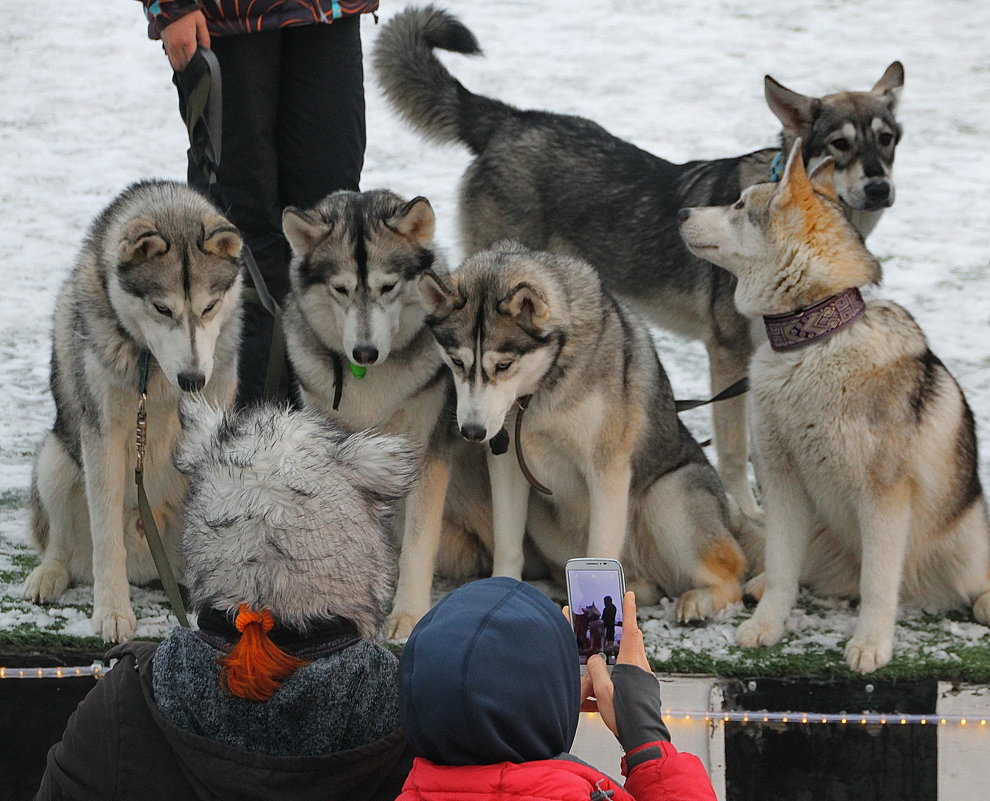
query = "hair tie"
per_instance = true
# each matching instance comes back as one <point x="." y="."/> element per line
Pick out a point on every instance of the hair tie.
<point x="246" y="616"/>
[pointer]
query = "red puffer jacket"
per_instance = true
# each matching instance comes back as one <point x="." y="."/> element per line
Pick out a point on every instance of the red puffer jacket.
<point x="673" y="777"/>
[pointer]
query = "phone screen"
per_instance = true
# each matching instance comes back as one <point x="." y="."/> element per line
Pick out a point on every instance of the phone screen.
<point x="594" y="594"/>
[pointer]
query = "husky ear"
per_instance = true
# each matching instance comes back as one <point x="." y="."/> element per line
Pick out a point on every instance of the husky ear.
<point x="796" y="112"/>
<point x="140" y="241"/>
<point x="415" y="221"/>
<point x="527" y="307"/>
<point x="823" y="178"/>
<point x="384" y="465"/>
<point x="794" y="185"/>
<point x="222" y="239"/>
<point x="890" y="84"/>
<point x="200" y="422"/>
<point x="438" y="300"/>
<point x="304" y="229"/>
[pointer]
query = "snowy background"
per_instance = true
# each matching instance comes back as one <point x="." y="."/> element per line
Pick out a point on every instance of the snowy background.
<point x="87" y="107"/>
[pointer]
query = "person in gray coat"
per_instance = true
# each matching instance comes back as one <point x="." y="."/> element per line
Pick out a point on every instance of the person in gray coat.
<point x="284" y="691"/>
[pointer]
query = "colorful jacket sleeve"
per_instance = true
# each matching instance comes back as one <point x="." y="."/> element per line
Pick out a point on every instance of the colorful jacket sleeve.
<point x="666" y="775"/>
<point x="162" y="13"/>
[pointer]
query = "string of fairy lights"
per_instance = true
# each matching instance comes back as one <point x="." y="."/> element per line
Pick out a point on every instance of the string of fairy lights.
<point x="97" y="670"/>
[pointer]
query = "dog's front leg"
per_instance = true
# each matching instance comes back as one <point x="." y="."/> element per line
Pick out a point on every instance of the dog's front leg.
<point x="420" y="542"/>
<point x="510" y="501"/>
<point x="104" y="464"/>
<point x="884" y="521"/>
<point x="790" y="523"/>
<point x="609" y="513"/>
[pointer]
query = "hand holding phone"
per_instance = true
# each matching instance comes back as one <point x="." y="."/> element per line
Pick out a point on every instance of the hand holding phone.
<point x="595" y="588"/>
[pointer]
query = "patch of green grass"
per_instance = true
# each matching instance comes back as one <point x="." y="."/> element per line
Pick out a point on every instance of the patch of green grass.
<point x="14" y="498"/>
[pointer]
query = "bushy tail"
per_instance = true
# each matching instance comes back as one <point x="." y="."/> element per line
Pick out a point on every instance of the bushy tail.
<point x="421" y="89"/>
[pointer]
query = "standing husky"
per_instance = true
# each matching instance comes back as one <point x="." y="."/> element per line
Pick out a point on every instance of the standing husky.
<point x="564" y="184"/>
<point x="362" y="354"/>
<point x="159" y="271"/>
<point x="628" y="480"/>
<point x="866" y="443"/>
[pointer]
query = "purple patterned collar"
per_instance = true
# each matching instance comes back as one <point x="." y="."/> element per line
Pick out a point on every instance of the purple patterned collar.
<point x="816" y="322"/>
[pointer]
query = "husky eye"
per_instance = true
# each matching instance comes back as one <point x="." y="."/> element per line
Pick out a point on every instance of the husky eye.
<point x="501" y="367"/>
<point x="387" y="288"/>
<point x="886" y="139"/>
<point x="456" y="362"/>
<point x="341" y="290"/>
<point x="210" y="307"/>
<point x="740" y="204"/>
<point x="164" y="311"/>
<point x="841" y="144"/>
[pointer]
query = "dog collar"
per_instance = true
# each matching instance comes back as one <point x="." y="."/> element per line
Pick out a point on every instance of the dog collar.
<point x="777" y="168"/>
<point x="816" y="322"/>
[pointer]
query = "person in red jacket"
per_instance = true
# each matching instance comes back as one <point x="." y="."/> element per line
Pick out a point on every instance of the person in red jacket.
<point x="489" y="696"/>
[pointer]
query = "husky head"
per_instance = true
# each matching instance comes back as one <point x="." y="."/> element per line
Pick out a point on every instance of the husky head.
<point x="355" y="258"/>
<point x="788" y="244"/>
<point x="499" y="328"/>
<point x="857" y="129"/>
<point x="290" y="513"/>
<point x="175" y="278"/>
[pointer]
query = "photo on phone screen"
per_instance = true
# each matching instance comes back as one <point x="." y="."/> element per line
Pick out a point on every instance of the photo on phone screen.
<point x="594" y="594"/>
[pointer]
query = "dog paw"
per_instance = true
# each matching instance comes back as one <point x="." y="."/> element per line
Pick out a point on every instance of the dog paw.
<point x="755" y="632"/>
<point x="698" y="604"/>
<point x="864" y="655"/>
<point x="46" y="582"/>
<point x="755" y="587"/>
<point x="115" y="625"/>
<point x="400" y="625"/>
<point x="981" y="609"/>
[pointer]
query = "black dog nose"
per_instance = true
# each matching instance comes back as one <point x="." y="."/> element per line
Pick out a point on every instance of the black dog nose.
<point x="473" y="432"/>
<point x="365" y="354"/>
<point x="683" y="214"/>
<point x="191" y="382"/>
<point x="877" y="192"/>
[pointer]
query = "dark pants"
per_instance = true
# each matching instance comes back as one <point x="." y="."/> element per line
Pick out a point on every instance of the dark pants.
<point x="293" y="132"/>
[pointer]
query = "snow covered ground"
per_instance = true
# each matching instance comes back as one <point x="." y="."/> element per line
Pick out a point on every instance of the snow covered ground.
<point x="87" y="107"/>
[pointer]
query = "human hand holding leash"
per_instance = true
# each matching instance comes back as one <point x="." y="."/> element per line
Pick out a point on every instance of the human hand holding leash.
<point x="182" y="37"/>
<point x="628" y="699"/>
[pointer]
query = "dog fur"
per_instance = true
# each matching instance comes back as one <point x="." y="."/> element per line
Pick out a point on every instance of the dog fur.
<point x="160" y="271"/>
<point x="564" y="184"/>
<point x="865" y="442"/>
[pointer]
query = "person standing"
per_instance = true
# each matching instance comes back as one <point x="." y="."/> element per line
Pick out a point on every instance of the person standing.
<point x="293" y="122"/>
<point x="608" y="618"/>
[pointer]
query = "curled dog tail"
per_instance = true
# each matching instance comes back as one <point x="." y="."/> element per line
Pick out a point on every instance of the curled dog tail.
<point x="421" y="89"/>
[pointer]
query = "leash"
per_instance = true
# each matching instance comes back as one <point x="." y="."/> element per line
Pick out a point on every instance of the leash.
<point x="204" y="103"/>
<point x="499" y="444"/>
<point x="732" y="391"/>
<point x="158" y="554"/>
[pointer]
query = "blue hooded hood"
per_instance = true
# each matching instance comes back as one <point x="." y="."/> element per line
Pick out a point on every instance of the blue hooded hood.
<point x="490" y="675"/>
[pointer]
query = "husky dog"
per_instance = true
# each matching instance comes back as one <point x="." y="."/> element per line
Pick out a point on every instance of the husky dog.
<point x="362" y="354"/>
<point x="288" y="512"/>
<point x="865" y="440"/>
<point x="564" y="184"/>
<point x="159" y="272"/>
<point x="628" y="480"/>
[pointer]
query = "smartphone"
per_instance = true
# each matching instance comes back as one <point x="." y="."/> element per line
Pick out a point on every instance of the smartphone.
<point x="594" y="593"/>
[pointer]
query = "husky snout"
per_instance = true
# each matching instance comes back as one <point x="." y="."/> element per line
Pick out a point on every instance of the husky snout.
<point x="474" y="432"/>
<point x="878" y="194"/>
<point x="190" y="381"/>
<point x="364" y="354"/>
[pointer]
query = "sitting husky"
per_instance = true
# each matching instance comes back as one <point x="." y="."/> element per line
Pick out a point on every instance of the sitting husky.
<point x="159" y="272"/>
<point x="866" y="443"/>
<point x="628" y="480"/>
<point x="362" y="354"/>
<point x="563" y="183"/>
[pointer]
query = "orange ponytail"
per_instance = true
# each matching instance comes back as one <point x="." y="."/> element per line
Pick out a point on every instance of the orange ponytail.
<point x="255" y="667"/>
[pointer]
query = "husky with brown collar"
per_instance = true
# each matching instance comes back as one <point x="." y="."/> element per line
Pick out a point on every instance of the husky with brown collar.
<point x="866" y="444"/>
<point x="627" y="479"/>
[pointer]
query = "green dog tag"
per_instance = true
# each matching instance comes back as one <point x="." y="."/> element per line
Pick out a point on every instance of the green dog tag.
<point x="357" y="370"/>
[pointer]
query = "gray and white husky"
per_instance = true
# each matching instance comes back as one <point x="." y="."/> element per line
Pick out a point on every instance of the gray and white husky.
<point x="564" y="184"/>
<point x="866" y="444"/>
<point x="159" y="271"/>
<point x="362" y="354"/>
<point x="627" y="479"/>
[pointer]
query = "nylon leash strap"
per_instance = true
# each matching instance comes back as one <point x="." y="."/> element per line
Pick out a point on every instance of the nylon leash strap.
<point x="158" y="554"/>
